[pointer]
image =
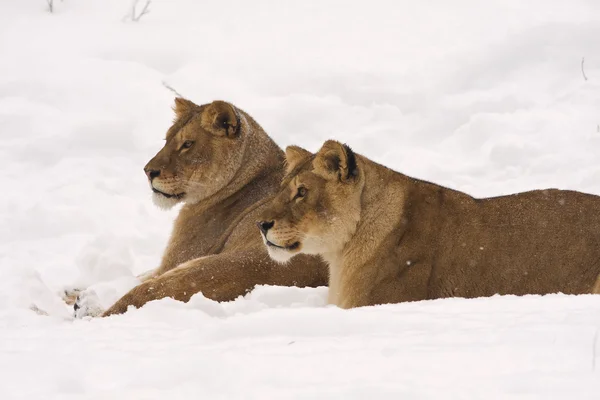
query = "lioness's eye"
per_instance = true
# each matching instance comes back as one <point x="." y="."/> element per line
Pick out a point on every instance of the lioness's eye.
<point x="187" y="144"/>
<point x="301" y="192"/>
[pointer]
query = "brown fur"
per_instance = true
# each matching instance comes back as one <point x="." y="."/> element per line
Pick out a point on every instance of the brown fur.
<point x="224" y="177"/>
<point x="391" y="238"/>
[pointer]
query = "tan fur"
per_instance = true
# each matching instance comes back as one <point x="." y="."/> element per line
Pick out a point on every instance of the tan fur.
<point x="224" y="178"/>
<point x="391" y="238"/>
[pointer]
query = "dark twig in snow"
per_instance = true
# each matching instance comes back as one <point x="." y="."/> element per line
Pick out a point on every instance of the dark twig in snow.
<point x="133" y="15"/>
<point x="165" y="84"/>
<point x="145" y="11"/>
<point x="50" y="5"/>
<point x="582" y="71"/>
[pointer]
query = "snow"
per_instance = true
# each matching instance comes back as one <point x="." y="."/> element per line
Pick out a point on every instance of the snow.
<point x="485" y="97"/>
<point x="282" y="343"/>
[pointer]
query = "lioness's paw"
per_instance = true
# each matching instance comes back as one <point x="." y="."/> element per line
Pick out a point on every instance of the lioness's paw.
<point x="87" y="305"/>
<point x="69" y="296"/>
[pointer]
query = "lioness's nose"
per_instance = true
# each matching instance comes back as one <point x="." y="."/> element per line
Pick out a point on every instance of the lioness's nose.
<point x="152" y="173"/>
<point x="264" y="226"/>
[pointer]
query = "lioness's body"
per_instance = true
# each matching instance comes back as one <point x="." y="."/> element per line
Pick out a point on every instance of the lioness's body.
<point x="225" y="176"/>
<point x="445" y="243"/>
<point x="403" y="239"/>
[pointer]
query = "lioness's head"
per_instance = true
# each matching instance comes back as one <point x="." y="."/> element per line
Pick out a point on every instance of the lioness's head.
<point x="203" y="150"/>
<point x="318" y="207"/>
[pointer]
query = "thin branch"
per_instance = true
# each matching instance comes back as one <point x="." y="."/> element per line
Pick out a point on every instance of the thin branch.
<point x="144" y="11"/>
<point x="133" y="14"/>
<point x="582" y="70"/>
<point x="165" y="84"/>
<point x="50" y="5"/>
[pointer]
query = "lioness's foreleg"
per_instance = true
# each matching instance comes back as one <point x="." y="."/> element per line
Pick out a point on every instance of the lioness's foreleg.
<point x="221" y="277"/>
<point x="153" y="273"/>
<point x="85" y="302"/>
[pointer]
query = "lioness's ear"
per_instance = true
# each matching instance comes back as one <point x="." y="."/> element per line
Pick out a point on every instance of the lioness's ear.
<point x="293" y="156"/>
<point x="336" y="160"/>
<point x="220" y="118"/>
<point x="183" y="106"/>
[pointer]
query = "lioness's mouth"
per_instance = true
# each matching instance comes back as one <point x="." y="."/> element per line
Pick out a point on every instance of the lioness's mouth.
<point x="292" y="246"/>
<point x="169" y="196"/>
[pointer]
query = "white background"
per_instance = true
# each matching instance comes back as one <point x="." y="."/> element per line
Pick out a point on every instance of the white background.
<point x="487" y="97"/>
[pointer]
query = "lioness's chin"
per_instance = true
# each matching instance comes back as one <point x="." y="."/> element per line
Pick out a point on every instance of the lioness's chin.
<point x="282" y="256"/>
<point x="164" y="202"/>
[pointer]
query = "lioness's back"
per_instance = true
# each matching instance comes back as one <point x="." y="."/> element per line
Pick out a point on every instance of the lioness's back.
<point x="534" y="242"/>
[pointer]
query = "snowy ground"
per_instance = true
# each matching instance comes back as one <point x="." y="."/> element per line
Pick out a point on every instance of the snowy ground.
<point x="486" y="97"/>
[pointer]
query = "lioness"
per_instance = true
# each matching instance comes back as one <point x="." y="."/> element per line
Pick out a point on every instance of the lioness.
<point x="391" y="238"/>
<point x="223" y="166"/>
